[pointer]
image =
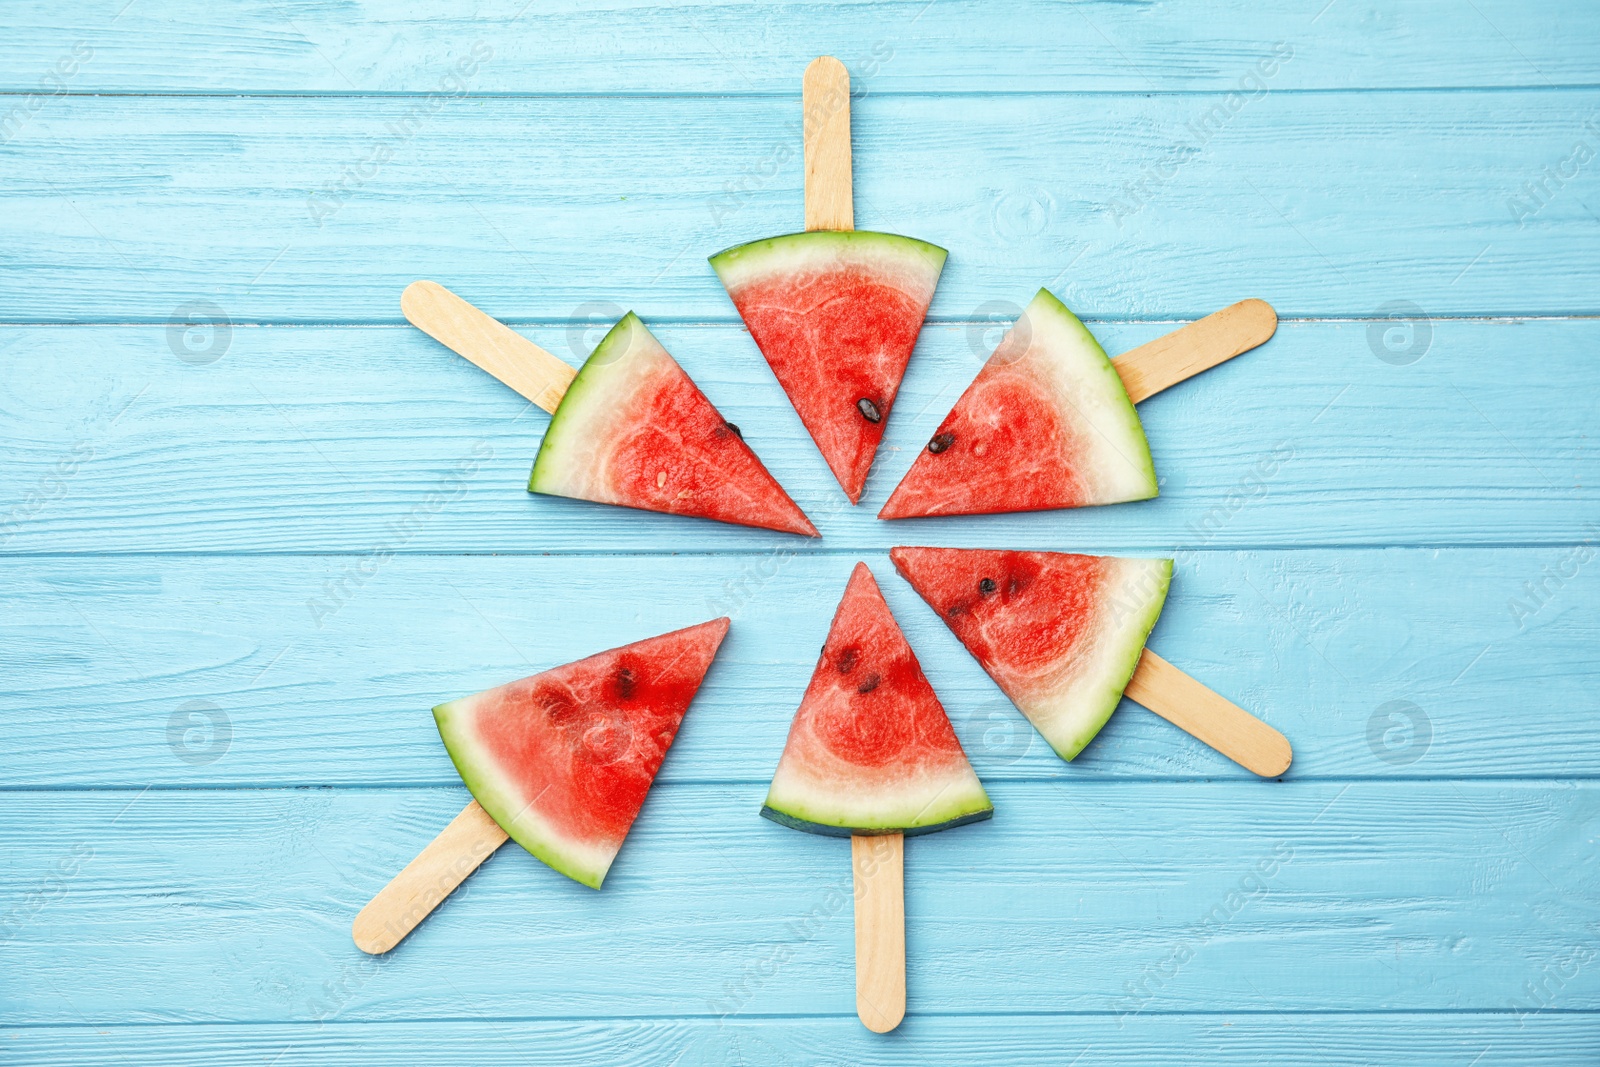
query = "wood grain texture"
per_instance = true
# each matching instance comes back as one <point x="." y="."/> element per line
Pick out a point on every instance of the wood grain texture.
<point x="1111" y="898"/>
<point x="1199" y="346"/>
<point x="243" y="560"/>
<point x="354" y="440"/>
<point x="825" y="104"/>
<point x="877" y="865"/>
<point x="424" y="883"/>
<point x="1320" y="643"/>
<point x="488" y="343"/>
<point x="1344" y="1040"/>
<point x="315" y="209"/>
<point x="1204" y="713"/>
<point x="720" y="47"/>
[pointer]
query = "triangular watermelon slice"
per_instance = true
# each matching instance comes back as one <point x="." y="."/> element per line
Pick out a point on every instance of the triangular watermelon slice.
<point x="634" y="430"/>
<point x="1060" y="634"/>
<point x="563" y="760"/>
<point x="871" y="750"/>
<point x="1046" y="424"/>
<point x="836" y="313"/>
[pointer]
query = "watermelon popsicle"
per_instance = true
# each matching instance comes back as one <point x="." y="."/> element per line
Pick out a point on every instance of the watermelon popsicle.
<point x="1049" y="421"/>
<point x="1063" y="636"/>
<point x="560" y="761"/>
<point x="630" y="428"/>
<point x="835" y="311"/>
<point x="872" y="756"/>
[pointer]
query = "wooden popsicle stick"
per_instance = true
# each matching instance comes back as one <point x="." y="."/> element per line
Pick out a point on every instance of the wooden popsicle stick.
<point x="879" y="865"/>
<point x="825" y="96"/>
<point x="1207" y="715"/>
<point x="877" y="861"/>
<point x="399" y="906"/>
<point x="488" y="342"/>
<point x="1201" y="345"/>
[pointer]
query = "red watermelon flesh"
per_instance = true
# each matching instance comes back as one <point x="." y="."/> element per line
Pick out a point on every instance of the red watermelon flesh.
<point x="836" y="314"/>
<point x="871" y="749"/>
<point x="563" y="760"/>
<point x="634" y="430"/>
<point x="1059" y="633"/>
<point x="1045" y="424"/>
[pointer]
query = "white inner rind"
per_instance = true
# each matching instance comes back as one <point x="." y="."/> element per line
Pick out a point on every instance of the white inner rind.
<point x="1066" y="357"/>
<point x="909" y="265"/>
<point x="574" y="459"/>
<point x="580" y="454"/>
<point x="848" y="800"/>
<point x="1069" y="707"/>
<point x="502" y="797"/>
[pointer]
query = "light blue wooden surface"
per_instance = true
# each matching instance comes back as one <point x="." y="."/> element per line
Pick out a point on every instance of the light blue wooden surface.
<point x="1384" y="528"/>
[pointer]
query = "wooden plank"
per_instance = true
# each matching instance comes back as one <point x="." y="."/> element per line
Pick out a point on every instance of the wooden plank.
<point x="234" y="905"/>
<point x="1289" y="1040"/>
<point x="1150" y="176"/>
<point x="356" y="440"/>
<point x="1375" y="663"/>
<point x="741" y="47"/>
<point x="1145" y="206"/>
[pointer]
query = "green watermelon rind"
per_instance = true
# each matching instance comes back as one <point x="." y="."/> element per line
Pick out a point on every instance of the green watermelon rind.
<point x="454" y="721"/>
<point x="589" y="413"/>
<point x="569" y="428"/>
<point x="1086" y="727"/>
<point x="796" y="822"/>
<point x="1113" y="391"/>
<point x="967" y="802"/>
<point x="773" y="255"/>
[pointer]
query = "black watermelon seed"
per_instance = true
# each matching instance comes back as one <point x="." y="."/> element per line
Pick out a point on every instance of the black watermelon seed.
<point x="847" y="660"/>
<point x="869" y="683"/>
<point x="940" y="442"/>
<point x="869" y="410"/>
<point x="625" y="683"/>
<point x="986" y="586"/>
<point x="736" y="431"/>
